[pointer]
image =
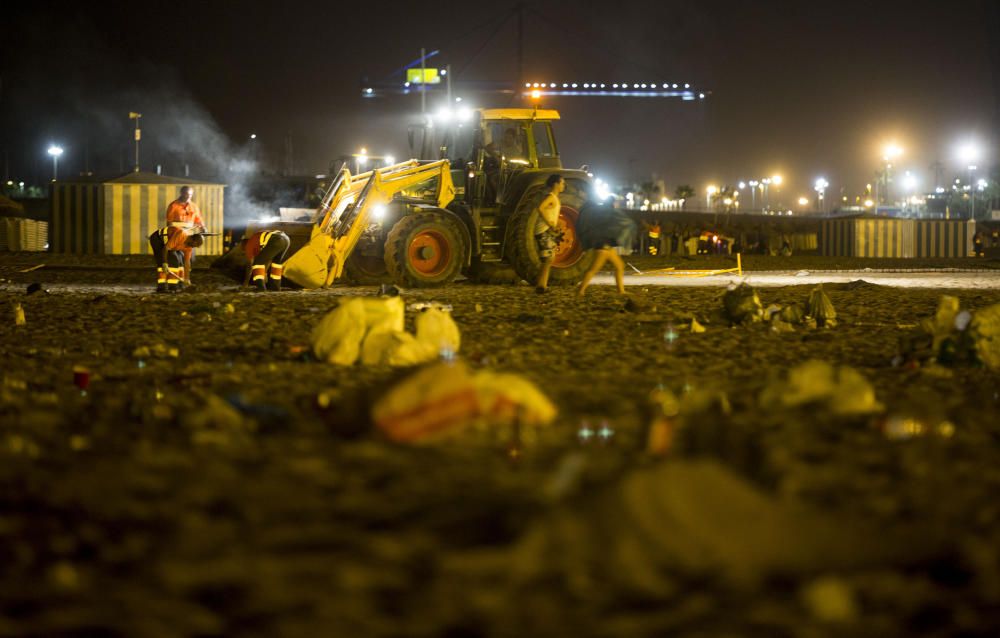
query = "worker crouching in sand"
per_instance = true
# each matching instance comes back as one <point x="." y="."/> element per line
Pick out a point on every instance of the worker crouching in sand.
<point x="172" y="248"/>
<point x="265" y="250"/>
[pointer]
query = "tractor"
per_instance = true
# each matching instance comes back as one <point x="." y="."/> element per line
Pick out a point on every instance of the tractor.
<point x="471" y="209"/>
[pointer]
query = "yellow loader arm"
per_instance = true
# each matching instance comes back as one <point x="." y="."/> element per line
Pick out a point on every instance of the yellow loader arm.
<point x="345" y="213"/>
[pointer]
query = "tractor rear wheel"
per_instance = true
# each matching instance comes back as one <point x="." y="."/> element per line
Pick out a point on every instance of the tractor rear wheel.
<point x="425" y="249"/>
<point x="366" y="270"/>
<point x="571" y="260"/>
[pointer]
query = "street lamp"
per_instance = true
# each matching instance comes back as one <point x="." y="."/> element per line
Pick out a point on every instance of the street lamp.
<point x="820" y="187"/>
<point x="711" y="190"/>
<point x="360" y="159"/>
<point x="969" y="153"/>
<point x="753" y="193"/>
<point x="55" y="152"/>
<point x="764" y="183"/>
<point x="889" y="152"/>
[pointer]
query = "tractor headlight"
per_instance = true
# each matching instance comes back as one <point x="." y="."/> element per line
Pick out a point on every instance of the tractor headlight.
<point x="378" y="213"/>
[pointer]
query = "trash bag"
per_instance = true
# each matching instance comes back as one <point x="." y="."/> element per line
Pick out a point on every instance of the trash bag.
<point x="792" y="313"/>
<point x="433" y="401"/>
<point x="436" y="328"/>
<point x="820" y="308"/>
<point x="941" y="326"/>
<point x="442" y="399"/>
<point x="506" y="396"/>
<point x="337" y="337"/>
<point x="843" y="391"/>
<point x="985" y="331"/>
<point x="383" y="313"/>
<point x="742" y="304"/>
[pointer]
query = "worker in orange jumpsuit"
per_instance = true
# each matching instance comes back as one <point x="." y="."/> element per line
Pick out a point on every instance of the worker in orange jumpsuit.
<point x="172" y="248"/>
<point x="265" y="250"/>
<point x="183" y="212"/>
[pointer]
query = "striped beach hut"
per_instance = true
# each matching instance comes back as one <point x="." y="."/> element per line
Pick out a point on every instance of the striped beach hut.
<point x="944" y="238"/>
<point x="866" y="237"/>
<point x="116" y="216"/>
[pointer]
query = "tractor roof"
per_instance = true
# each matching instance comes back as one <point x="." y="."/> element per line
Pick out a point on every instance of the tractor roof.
<point x="519" y="114"/>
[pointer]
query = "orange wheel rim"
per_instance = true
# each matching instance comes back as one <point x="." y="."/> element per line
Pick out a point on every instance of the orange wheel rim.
<point x="429" y="253"/>
<point x="569" y="250"/>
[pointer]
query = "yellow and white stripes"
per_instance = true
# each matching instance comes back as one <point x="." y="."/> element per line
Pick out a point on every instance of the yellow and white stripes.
<point x="116" y="218"/>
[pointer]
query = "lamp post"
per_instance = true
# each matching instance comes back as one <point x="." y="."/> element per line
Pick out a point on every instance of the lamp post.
<point x="969" y="154"/>
<point x="764" y="183"/>
<point x="889" y="152"/>
<point x="711" y="190"/>
<point x="753" y="193"/>
<point x="138" y="135"/>
<point x="55" y="152"/>
<point x="820" y="187"/>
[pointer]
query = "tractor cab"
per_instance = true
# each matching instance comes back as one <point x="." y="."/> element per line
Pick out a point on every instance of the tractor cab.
<point x="488" y="147"/>
<point x="508" y="143"/>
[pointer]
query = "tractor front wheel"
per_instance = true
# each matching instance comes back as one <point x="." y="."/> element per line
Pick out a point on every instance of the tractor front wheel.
<point x="425" y="249"/>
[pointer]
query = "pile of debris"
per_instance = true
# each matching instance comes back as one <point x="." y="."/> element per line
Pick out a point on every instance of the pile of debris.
<point x="953" y="337"/>
<point x="742" y="306"/>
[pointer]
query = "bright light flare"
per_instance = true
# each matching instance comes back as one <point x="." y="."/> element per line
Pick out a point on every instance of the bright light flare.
<point x="55" y="151"/>
<point x="969" y="152"/>
<point x="891" y="151"/>
<point x="777" y="180"/>
<point x="378" y="213"/>
<point x="803" y="201"/>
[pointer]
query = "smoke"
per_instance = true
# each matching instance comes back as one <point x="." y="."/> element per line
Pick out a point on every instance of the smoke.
<point x="78" y="91"/>
<point x="184" y="138"/>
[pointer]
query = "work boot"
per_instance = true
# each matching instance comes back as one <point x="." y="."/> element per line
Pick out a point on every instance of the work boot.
<point x="161" y="280"/>
<point x="274" y="281"/>
<point x="259" y="274"/>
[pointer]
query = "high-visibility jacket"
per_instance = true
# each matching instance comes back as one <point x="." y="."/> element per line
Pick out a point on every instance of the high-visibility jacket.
<point x="654" y="231"/>
<point x="257" y="242"/>
<point x="181" y="213"/>
<point x="174" y="238"/>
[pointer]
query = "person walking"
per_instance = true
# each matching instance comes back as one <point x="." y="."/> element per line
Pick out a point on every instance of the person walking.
<point x="172" y="248"/>
<point x="266" y="250"/>
<point x="600" y="229"/>
<point x="547" y="235"/>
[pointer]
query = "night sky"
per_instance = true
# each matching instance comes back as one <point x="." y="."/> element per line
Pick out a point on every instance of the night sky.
<point x="804" y="89"/>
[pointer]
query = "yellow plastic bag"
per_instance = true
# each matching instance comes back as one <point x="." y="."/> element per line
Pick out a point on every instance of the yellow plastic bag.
<point x="437" y="329"/>
<point x="337" y="337"/>
<point x="504" y="397"/>
<point x="432" y="402"/>
<point x="986" y="332"/>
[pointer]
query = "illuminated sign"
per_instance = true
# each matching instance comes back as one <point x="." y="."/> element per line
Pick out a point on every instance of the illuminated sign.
<point x="423" y="76"/>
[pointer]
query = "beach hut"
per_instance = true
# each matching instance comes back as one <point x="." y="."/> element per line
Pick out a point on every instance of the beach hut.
<point x="116" y="216"/>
